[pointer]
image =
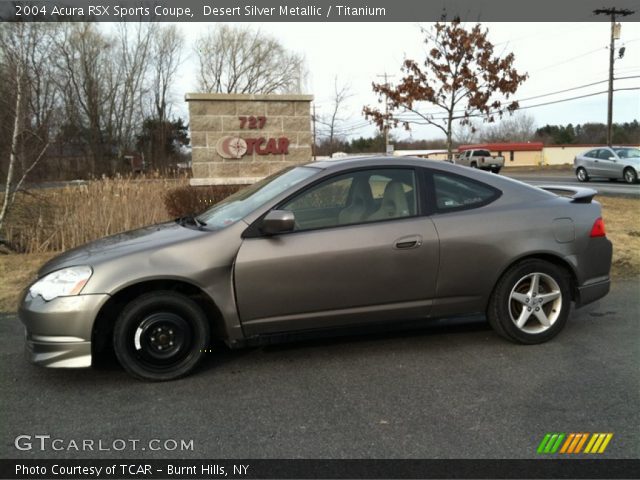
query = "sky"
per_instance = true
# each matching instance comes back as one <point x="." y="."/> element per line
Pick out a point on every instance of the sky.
<point x="557" y="56"/>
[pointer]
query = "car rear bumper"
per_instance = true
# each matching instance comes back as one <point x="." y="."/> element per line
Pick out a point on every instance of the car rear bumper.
<point x="58" y="332"/>
<point x="591" y="292"/>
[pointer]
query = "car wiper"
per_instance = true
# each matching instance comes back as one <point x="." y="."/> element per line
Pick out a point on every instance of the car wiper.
<point x="191" y="220"/>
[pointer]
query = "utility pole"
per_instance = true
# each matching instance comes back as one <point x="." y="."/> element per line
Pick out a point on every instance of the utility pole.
<point x="386" y="113"/>
<point x="313" y="117"/>
<point x="612" y="12"/>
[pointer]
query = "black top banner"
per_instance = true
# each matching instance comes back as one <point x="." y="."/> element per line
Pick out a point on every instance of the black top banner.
<point x="312" y="10"/>
<point x="329" y="469"/>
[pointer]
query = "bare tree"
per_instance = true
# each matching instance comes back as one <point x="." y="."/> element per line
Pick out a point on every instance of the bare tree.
<point x="518" y="128"/>
<point x="132" y="57"/>
<point x="86" y="79"/>
<point x="25" y="49"/>
<point x="466" y="133"/>
<point x="461" y="77"/>
<point x="104" y="80"/>
<point x="166" y="58"/>
<point x="332" y="122"/>
<point x="236" y="59"/>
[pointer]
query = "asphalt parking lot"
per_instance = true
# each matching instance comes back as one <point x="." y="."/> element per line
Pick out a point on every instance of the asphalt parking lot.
<point x="453" y="389"/>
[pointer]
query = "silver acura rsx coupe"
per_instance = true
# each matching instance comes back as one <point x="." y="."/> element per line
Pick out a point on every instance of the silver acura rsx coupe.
<point x="318" y="248"/>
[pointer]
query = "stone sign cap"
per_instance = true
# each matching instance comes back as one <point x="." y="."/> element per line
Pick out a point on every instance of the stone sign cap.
<point x="248" y="97"/>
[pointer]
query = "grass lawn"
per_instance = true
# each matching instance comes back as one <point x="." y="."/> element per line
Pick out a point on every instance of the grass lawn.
<point x="620" y="216"/>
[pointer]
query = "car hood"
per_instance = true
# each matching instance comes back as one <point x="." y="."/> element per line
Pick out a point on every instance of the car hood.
<point x="122" y="244"/>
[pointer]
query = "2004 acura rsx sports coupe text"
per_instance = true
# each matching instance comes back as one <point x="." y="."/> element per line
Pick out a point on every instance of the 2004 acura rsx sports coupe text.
<point x="317" y="248"/>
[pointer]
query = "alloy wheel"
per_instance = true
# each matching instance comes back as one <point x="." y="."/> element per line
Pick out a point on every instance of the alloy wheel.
<point x="535" y="303"/>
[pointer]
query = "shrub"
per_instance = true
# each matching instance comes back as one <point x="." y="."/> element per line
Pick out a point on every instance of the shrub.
<point x="188" y="200"/>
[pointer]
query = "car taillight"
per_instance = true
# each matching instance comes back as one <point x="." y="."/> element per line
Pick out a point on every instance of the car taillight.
<point x="598" y="229"/>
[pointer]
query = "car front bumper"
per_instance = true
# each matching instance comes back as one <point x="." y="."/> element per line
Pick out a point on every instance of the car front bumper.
<point x="58" y="332"/>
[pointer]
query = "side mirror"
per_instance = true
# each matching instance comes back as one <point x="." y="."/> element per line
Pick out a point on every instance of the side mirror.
<point x="278" y="221"/>
<point x="612" y="158"/>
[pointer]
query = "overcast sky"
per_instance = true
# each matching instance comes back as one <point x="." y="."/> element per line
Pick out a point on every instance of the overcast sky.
<point x="557" y="56"/>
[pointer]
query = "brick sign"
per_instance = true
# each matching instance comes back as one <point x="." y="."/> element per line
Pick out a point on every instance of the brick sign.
<point x="241" y="138"/>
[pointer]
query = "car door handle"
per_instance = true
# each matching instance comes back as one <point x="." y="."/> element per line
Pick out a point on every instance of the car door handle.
<point x="406" y="243"/>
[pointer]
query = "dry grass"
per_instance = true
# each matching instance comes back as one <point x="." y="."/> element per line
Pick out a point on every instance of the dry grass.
<point x="623" y="229"/>
<point x="16" y="272"/>
<point x="117" y="205"/>
<point x="59" y="219"/>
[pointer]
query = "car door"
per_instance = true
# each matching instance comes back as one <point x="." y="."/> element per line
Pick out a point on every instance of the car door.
<point x="604" y="165"/>
<point x="615" y="165"/>
<point x="361" y="252"/>
<point x="587" y="159"/>
<point x="471" y="254"/>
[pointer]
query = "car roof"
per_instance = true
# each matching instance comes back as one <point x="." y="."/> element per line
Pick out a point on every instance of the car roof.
<point x="376" y="161"/>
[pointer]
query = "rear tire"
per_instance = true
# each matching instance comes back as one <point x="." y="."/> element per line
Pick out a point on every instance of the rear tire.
<point x="630" y="175"/>
<point x="531" y="302"/>
<point x="473" y="165"/>
<point x="495" y="170"/>
<point x="161" y="336"/>
<point x="582" y="175"/>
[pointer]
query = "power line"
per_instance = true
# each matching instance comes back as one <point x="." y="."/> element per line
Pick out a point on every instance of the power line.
<point x="525" y="107"/>
<point x="571" y="59"/>
<point x="575" y="88"/>
<point x="541" y="95"/>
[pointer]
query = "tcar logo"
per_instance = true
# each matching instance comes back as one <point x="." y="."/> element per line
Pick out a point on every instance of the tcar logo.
<point x="236" y="147"/>
<point x="231" y="147"/>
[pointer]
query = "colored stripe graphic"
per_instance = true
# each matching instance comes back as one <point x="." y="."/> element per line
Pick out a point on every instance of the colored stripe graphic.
<point x="551" y="442"/>
<point x="582" y="440"/>
<point x="573" y="443"/>
<point x="598" y="443"/>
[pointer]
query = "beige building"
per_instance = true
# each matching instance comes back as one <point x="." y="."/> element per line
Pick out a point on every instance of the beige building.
<point x="239" y="139"/>
<point x="515" y="154"/>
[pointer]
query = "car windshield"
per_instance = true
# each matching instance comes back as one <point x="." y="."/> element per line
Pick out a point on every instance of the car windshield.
<point x="243" y="202"/>
<point x="628" y="152"/>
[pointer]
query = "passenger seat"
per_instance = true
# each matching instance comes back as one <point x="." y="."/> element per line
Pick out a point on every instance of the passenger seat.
<point x="394" y="203"/>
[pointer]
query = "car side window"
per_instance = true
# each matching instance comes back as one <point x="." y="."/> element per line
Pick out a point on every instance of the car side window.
<point x="325" y="196"/>
<point x="356" y="197"/>
<point x="604" y="154"/>
<point x="591" y="154"/>
<point x="454" y="192"/>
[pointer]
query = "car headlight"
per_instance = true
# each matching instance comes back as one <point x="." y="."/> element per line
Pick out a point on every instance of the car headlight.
<point x="61" y="283"/>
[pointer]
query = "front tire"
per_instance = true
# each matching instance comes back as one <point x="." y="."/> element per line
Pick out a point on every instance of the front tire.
<point x="582" y="175"/>
<point x="630" y="175"/>
<point x="531" y="302"/>
<point x="161" y="336"/>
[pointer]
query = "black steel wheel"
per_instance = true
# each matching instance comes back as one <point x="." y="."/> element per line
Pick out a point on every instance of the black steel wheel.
<point x="160" y="336"/>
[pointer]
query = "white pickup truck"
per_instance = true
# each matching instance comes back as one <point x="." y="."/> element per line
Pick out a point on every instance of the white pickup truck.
<point x="481" y="159"/>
